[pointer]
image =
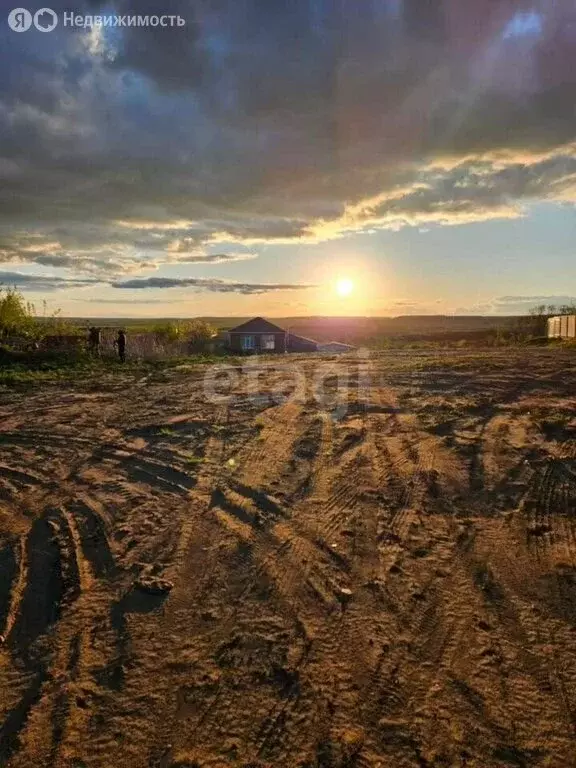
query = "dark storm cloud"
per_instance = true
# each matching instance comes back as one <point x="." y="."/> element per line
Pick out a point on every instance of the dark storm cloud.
<point x="265" y="121"/>
<point x="177" y="60"/>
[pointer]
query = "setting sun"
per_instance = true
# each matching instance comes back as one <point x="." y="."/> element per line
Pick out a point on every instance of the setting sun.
<point x="344" y="287"/>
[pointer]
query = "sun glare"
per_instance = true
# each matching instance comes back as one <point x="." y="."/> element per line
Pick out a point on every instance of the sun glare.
<point x="344" y="287"/>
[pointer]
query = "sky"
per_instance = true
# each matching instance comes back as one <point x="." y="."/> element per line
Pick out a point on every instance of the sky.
<point x="247" y="161"/>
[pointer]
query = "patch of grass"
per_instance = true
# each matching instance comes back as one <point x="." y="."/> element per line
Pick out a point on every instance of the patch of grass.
<point x="30" y="370"/>
<point x="26" y="370"/>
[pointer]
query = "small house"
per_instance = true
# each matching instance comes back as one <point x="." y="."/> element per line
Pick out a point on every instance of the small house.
<point x="257" y="336"/>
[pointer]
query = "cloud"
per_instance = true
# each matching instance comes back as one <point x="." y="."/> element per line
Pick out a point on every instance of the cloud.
<point x="122" y="300"/>
<point x="101" y="250"/>
<point x="521" y="304"/>
<point x="185" y="257"/>
<point x="204" y="284"/>
<point x="487" y="186"/>
<point x="176" y="62"/>
<point x="273" y="122"/>
<point x="532" y="299"/>
<point x="409" y="307"/>
<point x="514" y="305"/>
<point x="210" y="285"/>
<point x="43" y="282"/>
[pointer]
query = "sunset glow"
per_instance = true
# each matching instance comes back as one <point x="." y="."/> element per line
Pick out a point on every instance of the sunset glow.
<point x="414" y="158"/>
<point x="344" y="287"/>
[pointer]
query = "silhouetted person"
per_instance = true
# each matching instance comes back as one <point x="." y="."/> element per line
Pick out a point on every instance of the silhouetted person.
<point x="121" y="344"/>
<point x="94" y="341"/>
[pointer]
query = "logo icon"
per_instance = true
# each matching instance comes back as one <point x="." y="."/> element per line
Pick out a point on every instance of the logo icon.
<point x="45" y="20"/>
<point x="19" y="20"/>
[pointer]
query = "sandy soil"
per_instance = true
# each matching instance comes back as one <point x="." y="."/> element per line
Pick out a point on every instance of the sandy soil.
<point x="379" y="577"/>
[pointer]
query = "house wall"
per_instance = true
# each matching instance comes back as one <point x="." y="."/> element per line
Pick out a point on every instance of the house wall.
<point x="235" y="343"/>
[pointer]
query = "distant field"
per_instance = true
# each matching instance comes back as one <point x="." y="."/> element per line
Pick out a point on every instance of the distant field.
<point x="353" y="330"/>
<point x="379" y="571"/>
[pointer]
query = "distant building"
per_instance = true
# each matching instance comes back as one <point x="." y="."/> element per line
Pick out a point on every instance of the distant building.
<point x="295" y="343"/>
<point x="562" y="327"/>
<point x="261" y="336"/>
<point x="257" y="336"/>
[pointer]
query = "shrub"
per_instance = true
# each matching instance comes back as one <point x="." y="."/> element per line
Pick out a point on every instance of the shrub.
<point x="17" y="316"/>
<point x="18" y="319"/>
<point x="200" y="333"/>
<point x="197" y="332"/>
<point x="169" y="331"/>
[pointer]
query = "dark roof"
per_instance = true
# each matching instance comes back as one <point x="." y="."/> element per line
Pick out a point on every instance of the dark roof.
<point x="257" y="325"/>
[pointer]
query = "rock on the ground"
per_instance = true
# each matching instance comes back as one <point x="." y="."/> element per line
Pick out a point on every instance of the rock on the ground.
<point x="154" y="585"/>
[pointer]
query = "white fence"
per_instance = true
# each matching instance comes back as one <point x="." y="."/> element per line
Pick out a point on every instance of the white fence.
<point x="562" y="327"/>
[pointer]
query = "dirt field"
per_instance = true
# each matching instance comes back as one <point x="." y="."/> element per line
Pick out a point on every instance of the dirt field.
<point x="387" y="579"/>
